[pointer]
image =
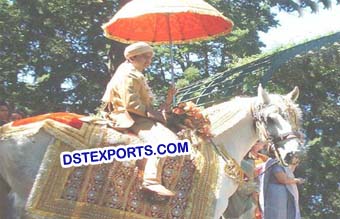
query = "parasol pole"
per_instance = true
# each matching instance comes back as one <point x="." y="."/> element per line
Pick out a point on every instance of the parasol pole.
<point x="172" y="65"/>
<point x="172" y="73"/>
<point x="171" y="60"/>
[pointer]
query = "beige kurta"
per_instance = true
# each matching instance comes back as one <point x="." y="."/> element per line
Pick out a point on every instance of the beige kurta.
<point x="129" y="93"/>
<point x="131" y="96"/>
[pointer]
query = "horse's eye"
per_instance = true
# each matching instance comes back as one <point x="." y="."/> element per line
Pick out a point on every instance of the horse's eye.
<point x="286" y="115"/>
<point x="270" y="119"/>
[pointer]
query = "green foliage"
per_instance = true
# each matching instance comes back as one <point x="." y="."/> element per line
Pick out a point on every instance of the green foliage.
<point x="317" y="74"/>
<point x="190" y="75"/>
<point x="53" y="56"/>
<point x="320" y="195"/>
<point x="58" y="46"/>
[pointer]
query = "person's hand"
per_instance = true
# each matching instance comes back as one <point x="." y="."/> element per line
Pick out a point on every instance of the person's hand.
<point x="171" y="92"/>
<point x="299" y="181"/>
<point x="109" y="107"/>
<point x="156" y="115"/>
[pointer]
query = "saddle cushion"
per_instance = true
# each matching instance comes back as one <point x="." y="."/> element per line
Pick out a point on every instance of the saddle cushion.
<point x="112" y="190"/>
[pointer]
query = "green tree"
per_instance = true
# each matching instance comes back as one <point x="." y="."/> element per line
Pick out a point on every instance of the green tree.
<point x="317" y="74"/>
<point x="53" y="57"/>
<point x="58" y="47"/>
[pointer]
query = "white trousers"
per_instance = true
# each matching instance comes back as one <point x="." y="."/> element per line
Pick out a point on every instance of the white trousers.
<point x="153" y="133"/>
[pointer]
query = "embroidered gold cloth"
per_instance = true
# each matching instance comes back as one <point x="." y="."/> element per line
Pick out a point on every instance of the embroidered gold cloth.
<point x="65" y="126"/>
<point x="114" y="190"/>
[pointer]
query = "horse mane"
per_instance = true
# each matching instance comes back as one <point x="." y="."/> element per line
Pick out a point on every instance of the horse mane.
<point x="224" y="116"/>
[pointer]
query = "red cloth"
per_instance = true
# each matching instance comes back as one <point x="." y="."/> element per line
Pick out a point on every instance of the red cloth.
<point x="70" y="119"/>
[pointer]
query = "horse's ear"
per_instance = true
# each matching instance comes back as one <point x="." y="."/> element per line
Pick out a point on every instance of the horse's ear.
<point x="262" y="95"/>
<point x="294" y="94"/>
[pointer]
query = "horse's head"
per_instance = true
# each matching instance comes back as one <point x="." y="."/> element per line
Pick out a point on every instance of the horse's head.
<point x="277" y="119"/>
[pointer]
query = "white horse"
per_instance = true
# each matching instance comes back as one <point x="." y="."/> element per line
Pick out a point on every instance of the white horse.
<point x="236" y="126"/>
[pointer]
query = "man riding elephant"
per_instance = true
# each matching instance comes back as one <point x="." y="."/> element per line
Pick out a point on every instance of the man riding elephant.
<point x="128" y="100"/>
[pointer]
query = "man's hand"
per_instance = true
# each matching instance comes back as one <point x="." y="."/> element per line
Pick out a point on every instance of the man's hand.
<point x="171" y="92"/>
<point x="109" y="107"/>
<point x="169" y="98"/>
<point x="156" y="115"/>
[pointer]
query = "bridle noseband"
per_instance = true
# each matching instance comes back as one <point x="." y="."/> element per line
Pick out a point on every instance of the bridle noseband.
<point x="261" y="127"/>
<point x="286" y="136"/>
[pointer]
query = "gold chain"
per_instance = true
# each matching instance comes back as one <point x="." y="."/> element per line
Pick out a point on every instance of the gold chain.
<point x="231" y="168"/>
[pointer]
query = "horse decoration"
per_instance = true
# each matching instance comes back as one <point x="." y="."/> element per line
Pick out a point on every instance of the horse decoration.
<point x="203" y="181"/>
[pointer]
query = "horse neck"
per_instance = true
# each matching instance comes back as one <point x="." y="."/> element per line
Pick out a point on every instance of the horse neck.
<point x="236" y="134"/>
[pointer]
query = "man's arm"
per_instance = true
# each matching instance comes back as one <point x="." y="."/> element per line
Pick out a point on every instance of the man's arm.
<point x="133" y="103"/>
<point x="131" y="97"/>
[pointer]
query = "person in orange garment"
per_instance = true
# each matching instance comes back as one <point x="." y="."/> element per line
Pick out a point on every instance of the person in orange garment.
<point x="128" y="100"/>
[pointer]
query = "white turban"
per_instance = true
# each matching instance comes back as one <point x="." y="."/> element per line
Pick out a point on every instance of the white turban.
<point x="137" y="49"/>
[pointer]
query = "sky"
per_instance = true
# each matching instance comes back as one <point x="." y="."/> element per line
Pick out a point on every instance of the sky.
<point x="295" y="29"/>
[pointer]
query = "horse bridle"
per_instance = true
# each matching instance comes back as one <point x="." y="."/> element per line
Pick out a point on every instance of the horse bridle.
<point x="261" y="127"/>
<point x="286" y="136"/>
